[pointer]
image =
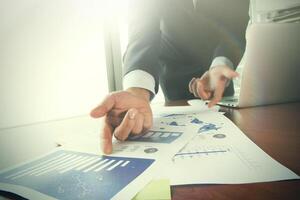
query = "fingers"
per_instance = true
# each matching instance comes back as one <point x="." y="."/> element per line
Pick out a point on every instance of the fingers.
<point x="148" y="120"/>
<point x="139" y="122"/>
<point x="143" y="120"/>
<point x="114" y="120"/>
<point x="217" y="95"/>
<point x="127" y="125"/>
<point x="106" y="138"/>
<point x="203" y="94"/>
<point x="213" y="82"/>
<point x="229" y="73"/>
<point x="106" y="105"/>
<point x="133" y="122"/>
<point x="194" y="88"/>
<point x="191" y="84"/>
<point x="116" y="116"/>
<point x="199" y="89"/>
<point x="220" y="82"/>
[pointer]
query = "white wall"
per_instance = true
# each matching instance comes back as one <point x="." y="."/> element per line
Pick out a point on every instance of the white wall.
<point x="52" y="62"/>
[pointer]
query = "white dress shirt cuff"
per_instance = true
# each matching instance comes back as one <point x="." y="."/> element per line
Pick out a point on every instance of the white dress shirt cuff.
<point x="221" y="61"/>
<point x="139" y="78"/>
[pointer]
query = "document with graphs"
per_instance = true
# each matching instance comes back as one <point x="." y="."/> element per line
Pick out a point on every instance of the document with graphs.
<point x="220" y="153"/>
<point x="186" y="147"/>
<point x="161" y="142"/>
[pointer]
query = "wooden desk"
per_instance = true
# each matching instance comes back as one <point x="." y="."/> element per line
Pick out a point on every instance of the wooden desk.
<point x="275" y="129"/>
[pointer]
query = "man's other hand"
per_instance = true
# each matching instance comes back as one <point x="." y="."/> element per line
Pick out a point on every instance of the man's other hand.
<point x="212" y="84"/>
<point x="125" y="112"/>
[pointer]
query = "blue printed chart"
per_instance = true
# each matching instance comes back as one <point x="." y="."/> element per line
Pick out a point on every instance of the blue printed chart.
<point x="204" y="127"/>
<point x="208" y="127"/>
<point x="186" y="120"/>
<point x="73" y="175"/>
<point x="157" y="137"/>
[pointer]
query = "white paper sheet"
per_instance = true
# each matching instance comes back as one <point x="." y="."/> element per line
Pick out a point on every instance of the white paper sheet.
<point x="222" y="154"/>
<point x="208" y="148"/>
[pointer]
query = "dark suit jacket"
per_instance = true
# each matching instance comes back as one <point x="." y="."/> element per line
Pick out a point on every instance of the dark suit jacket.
<point x="173" y="41"/>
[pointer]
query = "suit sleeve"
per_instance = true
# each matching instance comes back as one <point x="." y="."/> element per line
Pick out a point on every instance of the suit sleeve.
<point x="232" y="40"/>
<point x="144" y="47"/>
<point x="231" y="25"/>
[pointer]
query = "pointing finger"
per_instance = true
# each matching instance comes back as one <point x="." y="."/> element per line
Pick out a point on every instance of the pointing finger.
<point x="106" y="138"/>
<point x="217" y="95"/>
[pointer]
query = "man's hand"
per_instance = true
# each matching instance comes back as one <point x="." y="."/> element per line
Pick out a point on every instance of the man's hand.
<point x="212" y="84"/>
<point x="125" y="112"/>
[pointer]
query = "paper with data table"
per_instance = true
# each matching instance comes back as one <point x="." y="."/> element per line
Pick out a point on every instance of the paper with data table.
<point x="74" y="175"/>
<point x="221" y="154"/>
<point x="172" y="128"/>
<point x="161" y="142"/>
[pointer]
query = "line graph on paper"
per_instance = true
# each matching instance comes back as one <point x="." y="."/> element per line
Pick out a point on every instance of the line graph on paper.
<point x="214" y="152"/>
<point x="202" y="151"/>
<point x="74" y="175"/>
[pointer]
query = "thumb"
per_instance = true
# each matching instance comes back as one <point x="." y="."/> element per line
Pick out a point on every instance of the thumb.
<point x="104" y="107"/>
<point x="218" y="93"/>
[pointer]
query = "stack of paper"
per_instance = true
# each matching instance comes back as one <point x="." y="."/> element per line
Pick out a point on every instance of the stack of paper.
<point x="186" y="145"/>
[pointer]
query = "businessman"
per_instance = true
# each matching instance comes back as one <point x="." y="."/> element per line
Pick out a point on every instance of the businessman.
<point x="188" y="47"/>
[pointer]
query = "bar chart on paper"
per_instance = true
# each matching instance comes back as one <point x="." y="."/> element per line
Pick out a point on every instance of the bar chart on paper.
<point x="157" y="137"/>
<point x="74" y="175"/>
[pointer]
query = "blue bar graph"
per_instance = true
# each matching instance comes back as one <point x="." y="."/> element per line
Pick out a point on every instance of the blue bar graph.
<point x="73" y="175"/>
<point x="156" y="137"/>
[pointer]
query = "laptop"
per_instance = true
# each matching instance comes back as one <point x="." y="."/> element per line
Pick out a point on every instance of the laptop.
<point x="270" y="67"/>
